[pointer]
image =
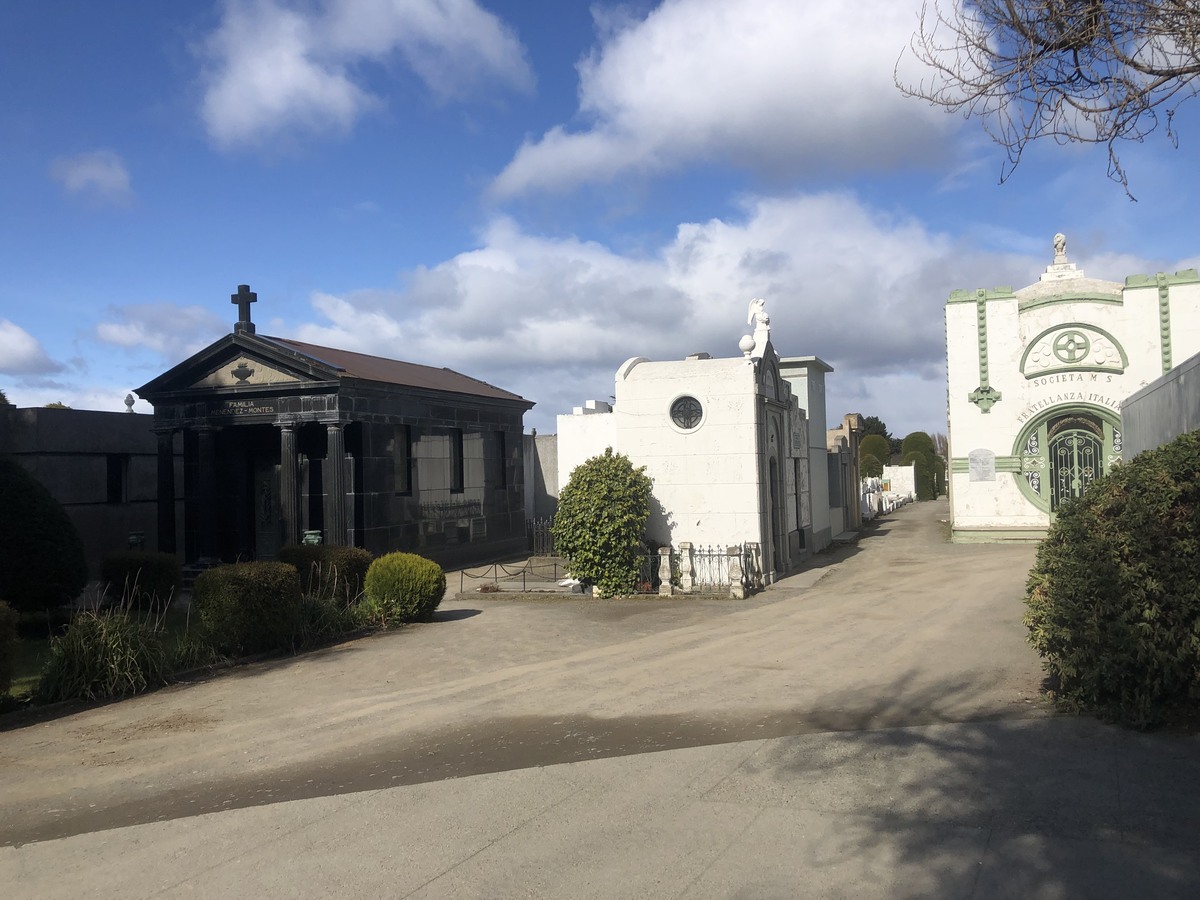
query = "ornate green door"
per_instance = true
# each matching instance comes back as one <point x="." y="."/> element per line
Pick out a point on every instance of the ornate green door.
<point x="1059" y="455"/>
<point x="1076" y="460"/>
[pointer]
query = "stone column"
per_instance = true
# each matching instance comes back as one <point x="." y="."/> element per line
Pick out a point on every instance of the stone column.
<point x="207" y="485"/>
<point x="737" y="589"/>
<point x="335" y="485"/>
<point x="289" y="490"/>
<point x="664" y="571"/>
<point x="166" y="489"/>
<point x="685" y="567"/>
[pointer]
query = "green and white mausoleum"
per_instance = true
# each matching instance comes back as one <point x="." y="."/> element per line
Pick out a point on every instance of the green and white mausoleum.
<point x="1036" y="380"/>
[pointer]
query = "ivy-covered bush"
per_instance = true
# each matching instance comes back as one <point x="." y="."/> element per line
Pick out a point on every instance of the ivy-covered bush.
<point x="601" y="521"/>
<point x="8" y="645"/>
<point x="1113" y="599"/>
<point x="403" y="587"/>
<point x="102" y="655"/>
<point x="43" y="564"/>
<point x="249" y="607"/>
<point x="328" y="571"/>
<point x="143" y="579"/>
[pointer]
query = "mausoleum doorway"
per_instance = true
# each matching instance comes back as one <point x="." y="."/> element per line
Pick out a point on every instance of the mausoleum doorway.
<point x="1064" y="451"/>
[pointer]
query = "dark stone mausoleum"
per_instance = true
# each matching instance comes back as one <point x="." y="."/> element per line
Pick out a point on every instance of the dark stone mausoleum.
<point x="282" y="438"/>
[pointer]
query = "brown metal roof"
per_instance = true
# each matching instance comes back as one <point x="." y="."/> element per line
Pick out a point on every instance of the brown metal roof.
<point x="394" y="371"/>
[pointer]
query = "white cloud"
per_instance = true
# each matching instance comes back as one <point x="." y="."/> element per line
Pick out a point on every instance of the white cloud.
<point x="99" y="176"/>
<point x="278" y="69"/>
<point x="551" y="319"/>
<point x="21" y="353"/>
<point x="776" y="86"/>
<point x="175" y="332"/>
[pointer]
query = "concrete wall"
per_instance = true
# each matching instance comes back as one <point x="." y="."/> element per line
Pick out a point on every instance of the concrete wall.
<point x="901" y="480"/>
<point x="1166" y="408"/>
<point x="806" y="375"/>
<point x="541" y="475"/>
<point x="70" y="451"/>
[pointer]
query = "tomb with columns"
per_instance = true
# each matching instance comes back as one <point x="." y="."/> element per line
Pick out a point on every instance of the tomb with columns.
<point x="285" y="441"/>
<point x="1037" y="378"/>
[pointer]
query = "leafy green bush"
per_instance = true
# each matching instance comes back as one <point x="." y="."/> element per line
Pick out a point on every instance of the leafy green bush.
<point x="875" y="445"/>
<point x="601" y="520"/>
<point x="327" y="571"/>
<point x="8" y="645"/>
<point x="43" y="565"/>
<point x="404" y="587"/>
<point x="322" y="620"/>
<point x="104" y="655"/>
<point x="1113" y="599"/>
<point x="249" y="607"/>
<point x="142" y="579"/>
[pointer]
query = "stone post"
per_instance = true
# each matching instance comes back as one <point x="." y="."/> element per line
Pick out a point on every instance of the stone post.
<point x="755" y="575"/>
<point x="686" y="584"/>
<point x="166" y="489"/>
<point x="664" y="571"/>
<point x="207" y="486"/>
<point x="737" y="589"/>
<point x="335" y="485"/>
<point x="289" y="490"/>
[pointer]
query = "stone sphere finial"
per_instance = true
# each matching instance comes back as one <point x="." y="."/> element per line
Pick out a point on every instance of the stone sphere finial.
<point x="747" y="344"/>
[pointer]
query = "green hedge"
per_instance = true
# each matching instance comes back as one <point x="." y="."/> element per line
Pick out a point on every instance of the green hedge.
<point x="404" y="587"/>
<point x="142" y="578"/>
<point x="330" y="572"/>
<point x="1113" y="599"/>
<point x="249" y="607"/>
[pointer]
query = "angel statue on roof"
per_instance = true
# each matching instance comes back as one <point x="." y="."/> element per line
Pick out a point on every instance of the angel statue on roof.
<point x="758" y="315"/>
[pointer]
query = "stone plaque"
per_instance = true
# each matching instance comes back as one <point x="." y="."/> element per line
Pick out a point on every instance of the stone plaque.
<point x="982" y="465"/>
<point x="232" y="409"/>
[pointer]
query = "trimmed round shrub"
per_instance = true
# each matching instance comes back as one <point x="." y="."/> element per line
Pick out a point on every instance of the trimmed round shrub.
<point x="601" y="520"/>
<point x="922" y="475"/>
<point x="43" y="564"/>
<point x="104" y="655"/>
<point x="329" y="572"/>
<point x="1113" y="599"/>
<point x="870" y="466"/>
<point x="875" y="445"/>
<point x="404" y="587"/>
<point x="250" y="607"/>
<point x="8" y="645"/>
<point x="143" y="579"/>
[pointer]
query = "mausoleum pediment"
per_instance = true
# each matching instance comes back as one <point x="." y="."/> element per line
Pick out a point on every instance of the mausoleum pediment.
<point x="245" y="370"/>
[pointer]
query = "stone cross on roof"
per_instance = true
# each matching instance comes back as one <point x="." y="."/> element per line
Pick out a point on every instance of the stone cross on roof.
<point x="243" y="298"/>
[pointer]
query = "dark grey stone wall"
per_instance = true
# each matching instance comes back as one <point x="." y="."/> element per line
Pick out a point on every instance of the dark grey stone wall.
<point x="101" y="466"/>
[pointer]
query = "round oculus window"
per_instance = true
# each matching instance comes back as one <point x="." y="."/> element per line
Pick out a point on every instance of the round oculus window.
<point x="686" y="412"/>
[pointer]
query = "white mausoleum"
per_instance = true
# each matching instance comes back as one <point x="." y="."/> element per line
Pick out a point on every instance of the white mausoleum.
<point x="733" y="455"/>
<point x="1037" y="377"/>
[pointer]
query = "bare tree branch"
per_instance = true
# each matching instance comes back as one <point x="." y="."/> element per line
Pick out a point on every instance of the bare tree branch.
<point x="1095" y="71"/>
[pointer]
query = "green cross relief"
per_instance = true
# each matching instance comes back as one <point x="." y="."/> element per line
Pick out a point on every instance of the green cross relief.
<point x="1071" y="347"/>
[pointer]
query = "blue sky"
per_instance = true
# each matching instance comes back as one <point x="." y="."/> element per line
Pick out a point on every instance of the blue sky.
<point x="527" y="192"/>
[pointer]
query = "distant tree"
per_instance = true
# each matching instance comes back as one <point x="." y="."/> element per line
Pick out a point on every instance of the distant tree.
<point x="1088" y="71"/>
<point x="876" y="445"/>
<point x="57" y="404"/>
<point x="929" y="483"/>
<point x="875" y="425"/>
<point x="922" y="474"/>
<point x="941" y="445"/>
<point x="917" y="440"/>
<point x="3" y="398"/>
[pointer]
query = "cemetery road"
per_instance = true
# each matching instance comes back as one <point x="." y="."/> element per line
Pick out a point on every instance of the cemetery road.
<point x="900" y="629"/>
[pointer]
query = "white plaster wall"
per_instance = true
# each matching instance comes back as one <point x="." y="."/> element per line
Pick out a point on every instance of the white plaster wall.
<point x="705" y="479"/>
<point x="806" y="375"/>
<point x="901" y="480"/>
<point x="582" y="437"/>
